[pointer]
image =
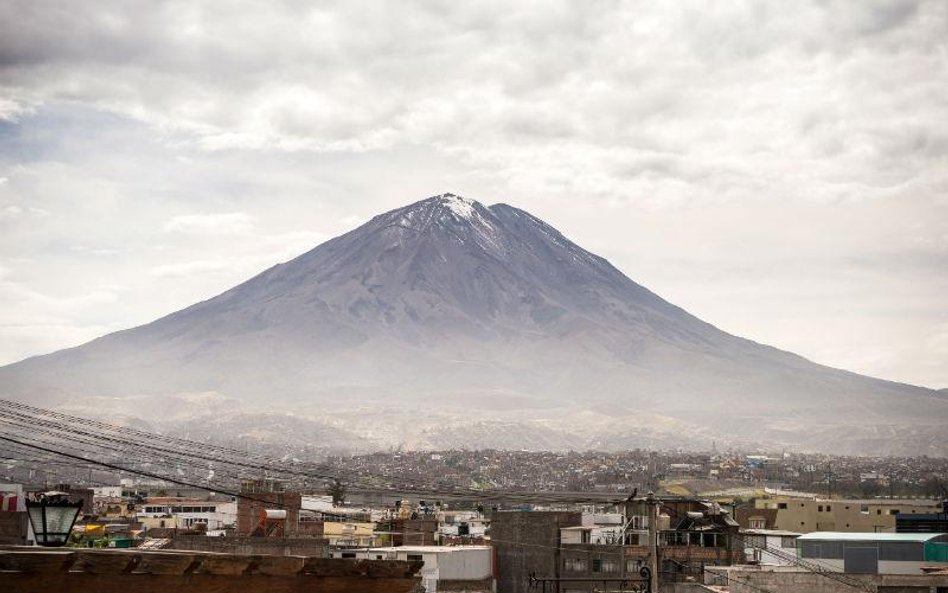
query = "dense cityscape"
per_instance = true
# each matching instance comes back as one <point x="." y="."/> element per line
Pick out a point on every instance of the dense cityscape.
<point x="474" y="297"/>
<point x="829" y="475"/>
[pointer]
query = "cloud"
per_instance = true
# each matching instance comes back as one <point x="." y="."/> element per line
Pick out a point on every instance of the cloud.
<point x="94" y="250"/>
<point x="10" y="211"/>
<point x="211" y="224"/>
<point x="821" y="96"/>
<point x="11" y="110"/>
<point x="36" y="322"/>
<point x="189" y="268"/>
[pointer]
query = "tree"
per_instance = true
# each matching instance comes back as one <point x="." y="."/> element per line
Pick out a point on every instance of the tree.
<point x="935" y="487"/>
<point x="337" y="490"/>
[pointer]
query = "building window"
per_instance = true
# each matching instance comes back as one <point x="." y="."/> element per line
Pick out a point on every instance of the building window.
<point x="709" y="540"/>
<point x="819" y="509"/>
<point x="788" y="542"/>
<point x="864" y="509"/>
<point x="829" y="508"/>
<point x="597" y="565"/>
<point x="781" y="505"/>
<point x="893" y="511"/>
<point x="414" y="557"/>
<point x="878" y="511"/>
<point x="609" y="566"/>
<point x="575" y="565"/>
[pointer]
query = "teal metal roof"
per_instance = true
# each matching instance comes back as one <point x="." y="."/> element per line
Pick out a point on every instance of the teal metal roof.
<point x="841" y="536"/>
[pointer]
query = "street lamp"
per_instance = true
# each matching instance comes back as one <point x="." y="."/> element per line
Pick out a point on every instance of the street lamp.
<point x="52" y="517"/>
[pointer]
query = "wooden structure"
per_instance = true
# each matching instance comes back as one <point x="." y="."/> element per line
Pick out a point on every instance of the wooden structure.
<point x="70" y="570"/>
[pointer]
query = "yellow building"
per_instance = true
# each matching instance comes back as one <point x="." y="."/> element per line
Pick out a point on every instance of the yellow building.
<point x="874" y="515"/>
<point x="349" y="534"/>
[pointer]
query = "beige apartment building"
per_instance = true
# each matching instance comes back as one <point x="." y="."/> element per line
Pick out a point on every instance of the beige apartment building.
<point x="806" y="515"/>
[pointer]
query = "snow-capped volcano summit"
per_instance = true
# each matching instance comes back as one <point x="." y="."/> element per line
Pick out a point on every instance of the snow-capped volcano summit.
<point x="460" y="207"/>
<point x="452" y="310"/>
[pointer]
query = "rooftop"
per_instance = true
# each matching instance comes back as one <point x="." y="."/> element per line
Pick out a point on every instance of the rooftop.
<point x="869" y="537"/>
<point x="153" y="500"/>
<point x="781" y="532"/>
<point x="917" y="502"/>
<point x="429" y="549"/>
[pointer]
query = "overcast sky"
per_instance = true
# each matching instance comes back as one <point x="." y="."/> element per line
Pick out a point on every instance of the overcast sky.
<point x="776" y="168"/>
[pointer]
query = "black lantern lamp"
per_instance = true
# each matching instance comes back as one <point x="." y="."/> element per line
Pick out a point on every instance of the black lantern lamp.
<point x="52" y="517"/>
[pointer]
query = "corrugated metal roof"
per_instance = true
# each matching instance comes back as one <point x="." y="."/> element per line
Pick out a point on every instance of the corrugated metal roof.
<point x="774" y="532"/>
<point x="868" y="537"/>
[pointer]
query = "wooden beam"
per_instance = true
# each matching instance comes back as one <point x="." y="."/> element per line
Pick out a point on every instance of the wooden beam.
<point x="77" y="582"/>
<point x="41" y="570"/>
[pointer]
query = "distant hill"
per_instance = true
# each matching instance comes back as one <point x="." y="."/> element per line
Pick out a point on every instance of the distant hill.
<point x="449" y="323"/>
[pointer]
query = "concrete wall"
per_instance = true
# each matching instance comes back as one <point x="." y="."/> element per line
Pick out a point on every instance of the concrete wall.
<point x="14" y="527"/>
<point x="456" y="566"/>
<point x="902" y="567"/>
<point x="527" y="542"/>
<point x="485" y="585"/>
<point x="461" y="564"/>
<point x="752" y="580"/>
<point x="251" y="545"/>
<point x="248" y="510"/>
<point x="445" y="568"/>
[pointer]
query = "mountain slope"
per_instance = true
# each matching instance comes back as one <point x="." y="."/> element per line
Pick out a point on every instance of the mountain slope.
<point x="447" y="306"/>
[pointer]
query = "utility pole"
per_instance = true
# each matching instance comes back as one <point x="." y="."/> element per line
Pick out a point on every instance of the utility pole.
<point x="652" y="541"/>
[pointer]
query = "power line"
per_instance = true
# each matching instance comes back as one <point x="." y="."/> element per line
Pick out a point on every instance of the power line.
<point x="117" y="441"/>
<point x="62" y="426"/>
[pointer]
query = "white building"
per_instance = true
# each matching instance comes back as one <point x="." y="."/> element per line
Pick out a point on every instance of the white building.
<point x="446" y="568"/>
<point x="461" y="523"/>
<point x="311" y="502"/>
<point x="593" y="534"/>
<point x="107" y="492"/>
<point x="772" y="547"/>
<point x="595" y="528"/>
<point x="185" y="514"/>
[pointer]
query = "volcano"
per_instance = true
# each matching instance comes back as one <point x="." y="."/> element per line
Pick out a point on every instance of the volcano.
<point x="448" y="323"/>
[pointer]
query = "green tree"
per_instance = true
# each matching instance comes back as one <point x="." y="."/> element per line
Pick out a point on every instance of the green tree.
<point x="337" y="490"/>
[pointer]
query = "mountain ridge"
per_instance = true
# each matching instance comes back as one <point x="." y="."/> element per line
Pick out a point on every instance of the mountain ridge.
<point x="447" y="302"/>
